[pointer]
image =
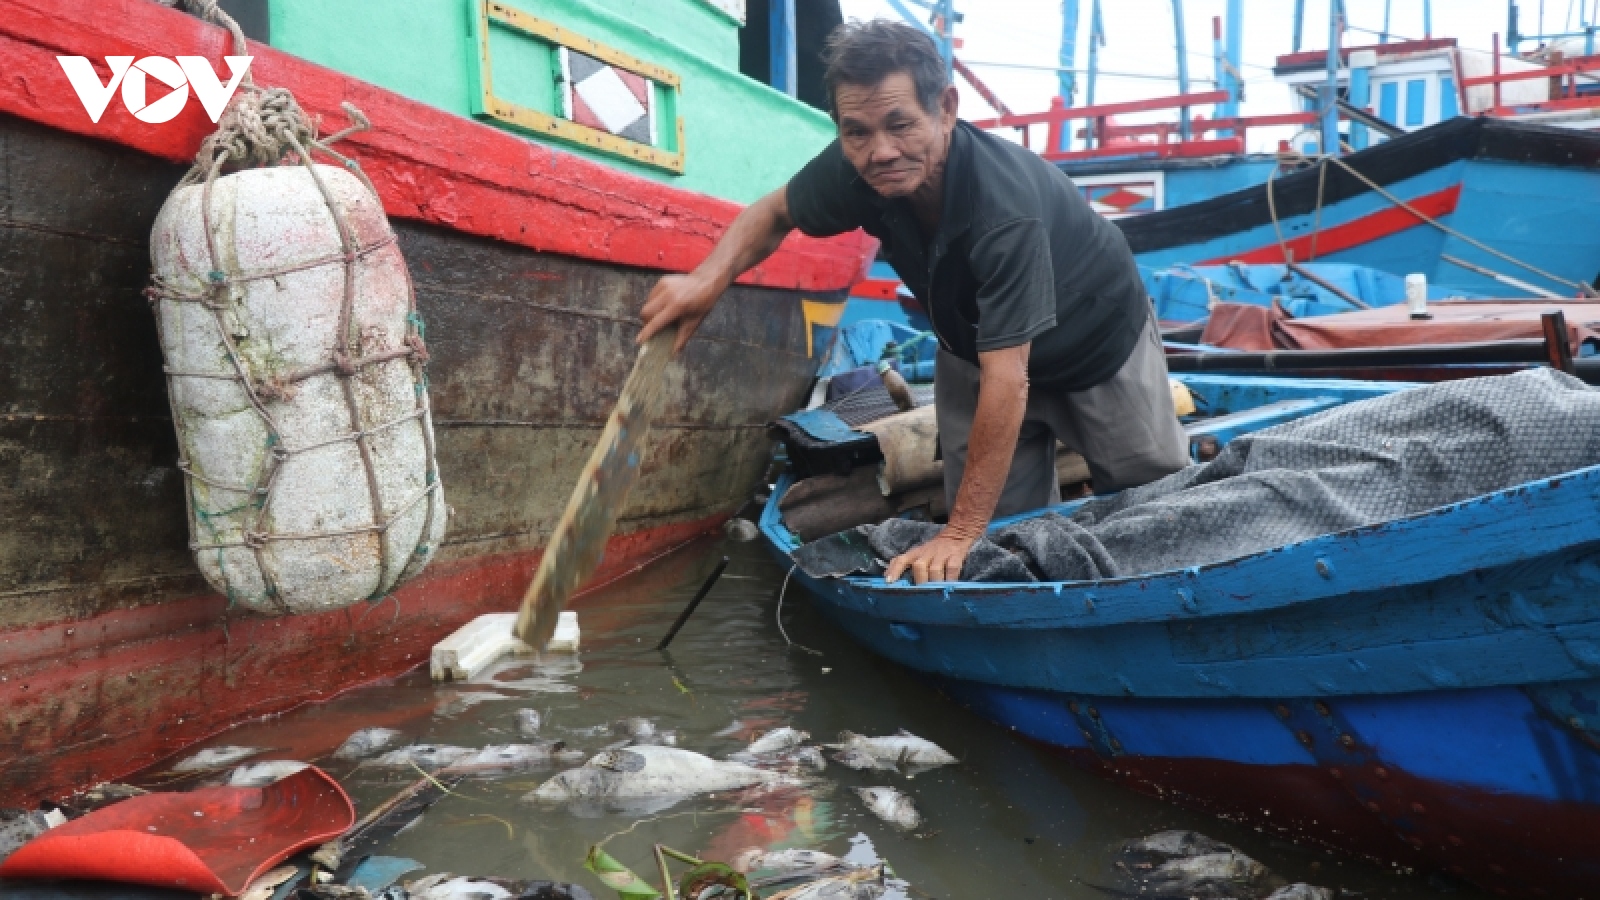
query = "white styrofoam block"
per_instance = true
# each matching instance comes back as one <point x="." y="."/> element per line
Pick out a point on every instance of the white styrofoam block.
<point x="565" y="640"/>
<point x="474" y="647"/>
<point x="478" y="644"/>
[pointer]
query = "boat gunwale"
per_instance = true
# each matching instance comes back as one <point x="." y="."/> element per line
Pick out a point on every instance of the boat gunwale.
<point x="1356" y="561"/>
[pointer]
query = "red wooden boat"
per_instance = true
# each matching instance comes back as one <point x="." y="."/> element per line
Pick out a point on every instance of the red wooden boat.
<point x="530" y="264"/>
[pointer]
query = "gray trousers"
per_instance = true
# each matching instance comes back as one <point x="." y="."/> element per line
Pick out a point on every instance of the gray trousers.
<point x="1125" y="428"/>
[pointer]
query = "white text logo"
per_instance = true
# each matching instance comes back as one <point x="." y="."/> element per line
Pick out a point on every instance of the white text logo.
<point x="134" y="78"/>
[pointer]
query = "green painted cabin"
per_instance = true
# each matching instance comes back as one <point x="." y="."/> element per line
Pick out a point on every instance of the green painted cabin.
<point x="739" y="137"/>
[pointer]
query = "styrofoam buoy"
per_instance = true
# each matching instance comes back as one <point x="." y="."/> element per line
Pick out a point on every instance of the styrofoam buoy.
<point x="295" y="376"/>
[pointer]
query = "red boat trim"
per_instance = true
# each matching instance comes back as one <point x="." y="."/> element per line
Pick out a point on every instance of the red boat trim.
<point x="876" y="289"/>
<point x="428" y="165"/>
<point x="212" y="672"/>
<point x="1354" y="233"/>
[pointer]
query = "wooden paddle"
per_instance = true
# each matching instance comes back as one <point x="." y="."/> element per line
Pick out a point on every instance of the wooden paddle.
<point x="580" y="537"/>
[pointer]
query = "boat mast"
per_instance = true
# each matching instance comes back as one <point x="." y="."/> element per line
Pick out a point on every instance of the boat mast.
<point x="1299" y="24"/>
<point x="1183" y="67"/>
<point x="1069" y="62"/>
<point x="1097" y="39"/>
<point x="785" y="63"/>
<point x="1330" y="89"/>
<point x="1228" y="67"/>
<point x="1383" y="36"/>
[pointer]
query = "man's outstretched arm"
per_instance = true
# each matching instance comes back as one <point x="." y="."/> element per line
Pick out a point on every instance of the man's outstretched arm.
<point x="688" y="299"/>
<point x="1002" y="401"/>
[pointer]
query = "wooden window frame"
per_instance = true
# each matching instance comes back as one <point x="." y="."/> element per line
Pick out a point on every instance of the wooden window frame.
<point x="491" y="13"/>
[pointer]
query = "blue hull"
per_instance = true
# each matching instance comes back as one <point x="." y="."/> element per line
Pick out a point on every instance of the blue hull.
<point x="1424" y="692"/>
<point x="1520" y="189"/>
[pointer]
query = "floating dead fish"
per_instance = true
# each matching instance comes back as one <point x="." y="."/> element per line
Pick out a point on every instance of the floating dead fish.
<point x="366" y="742"/>
<point x="891" y="806"/>
<point x="741" y="531"/>
<point x="1209" y="875"/>
<point x="860" y="884"/>
<point x="333" y="892"/>
<point x="459" y="887"/>
<point x="862" y="761"/>
<point x="640" y="731"/>
<point x="794" y="859"/>
<point x="1169" y="844"/>
<point x="17" y="827"/>
<point x="732" y="729"/>
<point x="1301" y="891"/>
<point x="462" y="701"/>
<point x="425" y="756"/>
<point x="797" y="761"/>
<point x="262" y="774"/>
<point x="776" y="741"/>
<point x="650" y="771"/>
<point x="500" y="759"/>
<point x="528" y="722"/>
<point x="902" y="749"/>
<point x="215" y="758"/>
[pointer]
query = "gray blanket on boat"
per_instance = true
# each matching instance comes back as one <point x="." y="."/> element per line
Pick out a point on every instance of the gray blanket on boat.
<point x="1359" y="464"/>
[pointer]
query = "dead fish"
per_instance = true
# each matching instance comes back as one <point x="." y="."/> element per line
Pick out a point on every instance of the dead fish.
<point x="262" y="774"/>
<point x="741" y="531"/>
<point x="860" y="884"/>
<point x="1301" y="891"/>
<point x="861" y="761"/>
<point x="424" y="756"/>
<point x="1210" y="875"/>
<point x="734" y="728"/>
<point x="794" y="859"/>
<point x="891" y="806"/>
<point x="333" y="892"/>
<point x="1169" y="844"/>
<point x="649" y="771"/>
<point x="366" y="742"/>
<point x="461" y="702"/>
<point x="497" y="759"/>
<point x="528" y="722"/>
<point x="802" y="759"/>
<point x="902" y="749"/>
<point x="446" y="886"/>
<point x="641" y="731"/>
<point x="776" y="741"/>
<point x="215" y="758"/>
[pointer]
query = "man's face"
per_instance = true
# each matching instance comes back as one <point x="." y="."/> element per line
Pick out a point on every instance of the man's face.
<point x="893" y="143"/>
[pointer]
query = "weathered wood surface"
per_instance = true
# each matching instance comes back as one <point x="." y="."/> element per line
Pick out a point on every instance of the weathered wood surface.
<point x="107" y="630"/>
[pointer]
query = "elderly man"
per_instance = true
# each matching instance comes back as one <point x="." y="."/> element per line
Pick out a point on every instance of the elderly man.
<point x="1045" y="332"/>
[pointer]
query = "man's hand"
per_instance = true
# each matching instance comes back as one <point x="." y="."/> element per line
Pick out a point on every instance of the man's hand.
<point x="688" y="299"/>
<point x="684" y="299"/>
<point x="940" y="559"/>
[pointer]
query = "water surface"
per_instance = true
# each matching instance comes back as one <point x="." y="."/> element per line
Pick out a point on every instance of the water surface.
<point x="1014" y="819"/>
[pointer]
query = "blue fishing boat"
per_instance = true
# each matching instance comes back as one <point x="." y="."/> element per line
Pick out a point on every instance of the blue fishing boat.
<point x="1424" y="692"/>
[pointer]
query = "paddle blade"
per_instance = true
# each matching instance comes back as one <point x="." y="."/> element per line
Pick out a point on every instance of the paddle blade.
<point x="580" y="537"/>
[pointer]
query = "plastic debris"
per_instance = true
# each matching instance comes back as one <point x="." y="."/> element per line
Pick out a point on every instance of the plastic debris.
<point x="159" y="840"/>
<point x="366" y="742"/>
<point x="891" y="806"/>
<point x="618" y="877"/>
<point x="475" y="646"/>
<point x="374" y="873"/>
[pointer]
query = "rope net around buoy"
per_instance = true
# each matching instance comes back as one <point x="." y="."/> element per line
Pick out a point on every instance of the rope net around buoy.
<point x="262" y="128"/>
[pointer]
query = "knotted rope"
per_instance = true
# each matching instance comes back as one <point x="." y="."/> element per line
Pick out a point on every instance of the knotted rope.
<point x="265" y="127"/>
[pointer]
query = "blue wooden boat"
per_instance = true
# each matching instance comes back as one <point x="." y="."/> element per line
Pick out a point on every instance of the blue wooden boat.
<point x="1423" y="693"/>
<point x="1521" y="189"/>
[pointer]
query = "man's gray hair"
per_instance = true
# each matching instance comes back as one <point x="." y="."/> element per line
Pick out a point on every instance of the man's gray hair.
<point x="865" y="53"/>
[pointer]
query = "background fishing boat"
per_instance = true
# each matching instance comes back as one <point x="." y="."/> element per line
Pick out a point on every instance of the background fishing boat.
<point x="535" y="219"/>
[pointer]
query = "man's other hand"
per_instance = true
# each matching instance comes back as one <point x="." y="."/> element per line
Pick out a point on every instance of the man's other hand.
<point x="684" y="299"/>
<point x="940" y="559"/>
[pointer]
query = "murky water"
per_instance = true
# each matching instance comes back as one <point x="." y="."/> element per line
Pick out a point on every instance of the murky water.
<point x="1012" y="820"/>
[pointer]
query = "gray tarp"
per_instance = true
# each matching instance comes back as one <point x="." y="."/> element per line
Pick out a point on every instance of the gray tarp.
<point x="1359" y="464"/>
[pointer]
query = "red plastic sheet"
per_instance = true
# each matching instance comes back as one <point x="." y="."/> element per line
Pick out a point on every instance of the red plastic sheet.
<point x="211" y="840"/>
<point x="1244" y="327"/>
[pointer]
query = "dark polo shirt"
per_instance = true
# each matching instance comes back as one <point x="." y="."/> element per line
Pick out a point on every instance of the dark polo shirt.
<point x="1019" y="257"/>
